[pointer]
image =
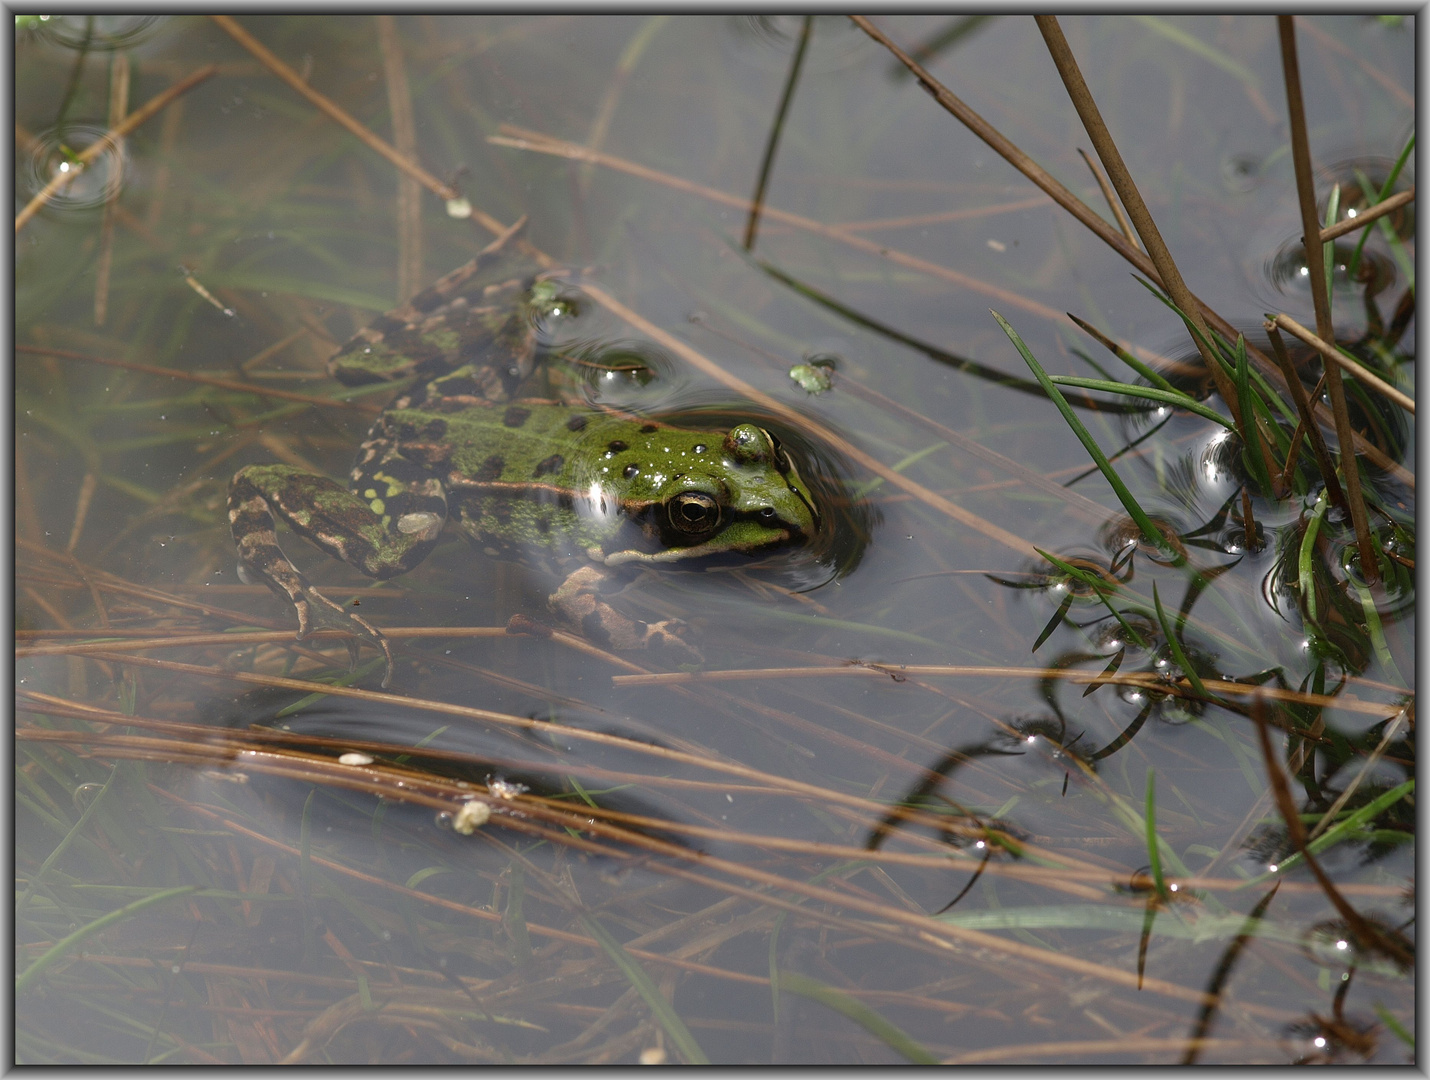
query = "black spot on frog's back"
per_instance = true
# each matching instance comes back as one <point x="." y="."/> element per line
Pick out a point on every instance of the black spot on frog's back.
<point x="576" y="423"/>
<point x="649" y="429"/>
<point x="515" y="416"/>
<point x="491" y="469"/>
<point x="549" y="465"/>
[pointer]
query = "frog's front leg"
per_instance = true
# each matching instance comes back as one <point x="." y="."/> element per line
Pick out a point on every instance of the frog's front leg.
<point x="383" y="527"/>
<point x="579" y="604"/>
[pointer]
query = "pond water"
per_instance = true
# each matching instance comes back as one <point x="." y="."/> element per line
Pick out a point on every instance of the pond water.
<point x="883" y="812"/>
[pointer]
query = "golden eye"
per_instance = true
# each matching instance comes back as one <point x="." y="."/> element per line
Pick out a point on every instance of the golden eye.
<point x="693" y="512"/>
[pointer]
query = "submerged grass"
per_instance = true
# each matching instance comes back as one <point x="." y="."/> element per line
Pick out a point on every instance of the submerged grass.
<point x="932" y="852"/>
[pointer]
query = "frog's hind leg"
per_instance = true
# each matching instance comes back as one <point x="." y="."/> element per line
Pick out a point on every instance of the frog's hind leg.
<point x="367" y="533"/>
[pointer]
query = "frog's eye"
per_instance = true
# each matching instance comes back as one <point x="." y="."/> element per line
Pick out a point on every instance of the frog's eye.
<point x="693" y="512"/>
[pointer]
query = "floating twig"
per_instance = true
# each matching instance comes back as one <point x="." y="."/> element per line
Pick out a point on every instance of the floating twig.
<point x="1365" y="217"/>
<point x="1349" y="365"/>
<point x="89" y="153"/>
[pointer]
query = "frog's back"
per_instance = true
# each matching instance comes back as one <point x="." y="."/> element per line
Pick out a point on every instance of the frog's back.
<point x="464" y="318"/>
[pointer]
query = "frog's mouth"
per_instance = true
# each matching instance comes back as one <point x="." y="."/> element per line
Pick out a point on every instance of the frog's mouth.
<point x="760" y="538"/>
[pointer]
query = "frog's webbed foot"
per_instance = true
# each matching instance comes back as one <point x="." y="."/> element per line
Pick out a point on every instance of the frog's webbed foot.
<point x="315" y="611"/>
<point x="579" y="604"/>
<point x="261" y="559"/>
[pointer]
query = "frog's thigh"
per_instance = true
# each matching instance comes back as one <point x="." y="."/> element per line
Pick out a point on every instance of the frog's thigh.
<point x="364" y="532"/>
<point x="579" y="604"/>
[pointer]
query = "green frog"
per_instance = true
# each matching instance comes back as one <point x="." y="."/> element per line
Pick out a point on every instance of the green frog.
<point x="557" y="482"/>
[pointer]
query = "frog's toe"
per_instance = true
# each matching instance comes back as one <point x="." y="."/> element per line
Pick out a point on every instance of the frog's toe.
<point x="671" y="634"/>
<point x="316" y="610"/>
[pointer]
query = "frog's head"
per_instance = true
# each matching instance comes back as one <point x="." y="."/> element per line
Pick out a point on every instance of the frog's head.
<point x="746" y="497"/>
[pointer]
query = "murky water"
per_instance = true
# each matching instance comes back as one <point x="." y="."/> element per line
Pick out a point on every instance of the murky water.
<point x="887" y="816"/>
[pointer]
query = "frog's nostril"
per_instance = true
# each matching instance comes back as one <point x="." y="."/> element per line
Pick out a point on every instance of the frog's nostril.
<point x="768" y="512"/>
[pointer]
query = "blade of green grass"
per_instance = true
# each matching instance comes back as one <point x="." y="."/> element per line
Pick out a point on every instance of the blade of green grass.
<point x="1100" y="588"/>
<point x="1328" y="249"/>
<point x="64" y="844"/>
<point x="1176" y="647"/>
<point x="860" y="1013"/>
<point x="1342" y="829"/>
<point x="64" y="945"/>
<point x="665" y="1015"/>
<point x="1385" y="189"/>
<point x="1250" y="443"/>
<point x="1167" y="397"/>
<point x="1136" y="512"/>
<point x="1147" y="372"/>
<point x="1395" y="1027"/>
<point x="1154" y="855"/>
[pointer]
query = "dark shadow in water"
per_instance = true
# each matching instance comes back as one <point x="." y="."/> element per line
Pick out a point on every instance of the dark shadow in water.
<point x="514" y="762"/>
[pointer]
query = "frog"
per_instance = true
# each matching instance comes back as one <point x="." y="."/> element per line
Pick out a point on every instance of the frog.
<point x="590" y="492"/>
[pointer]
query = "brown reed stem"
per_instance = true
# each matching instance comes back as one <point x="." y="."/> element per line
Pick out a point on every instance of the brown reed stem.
<point x="1320" y="296"/>
<point x="410" y="276"/>
<point x="118" y="106"/>
<point x="333" y="111"/>
<point x="1110" y="236"/>
<point x="1366" y="933"/>
<point x="1308" y="422"/>
<point x="1365" y="217"/>
<point x="1126" y="187"/>
<point x="89" y="153"/>
<point x="1351" y="367"/>
<point x="1112" y="203"/>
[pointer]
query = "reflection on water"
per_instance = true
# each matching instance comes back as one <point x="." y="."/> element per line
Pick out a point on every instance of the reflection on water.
<point x="987" y="743"/>
<point x="56" y="152"/>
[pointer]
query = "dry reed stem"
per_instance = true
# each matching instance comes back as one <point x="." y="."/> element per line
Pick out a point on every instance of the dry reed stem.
<point x="1392" y="729"/>
<point x="410" y="275"/>
<point x="159" y="187"/>
<point x="89" y="153"/>
<point x="1367" y="933"/>
<point x="184" y="640"/>
<point x="1333" y="354"/>
<point x="942" y="216"/>
<point x="1112" y="204"/>
<point x="538" y="143"/>
<point x="208" y="380"/>
<point x="1110" y="236"/>
<point x="118" y="106"/>
<point x="332" y="110"/>
<point x="1331" y="42"/>
<point x="1122" y="1045"/>
<point x="606" y="112"/>
<point x="314" y="768"/>
<point x="715" y="371"/>
<point x="1131" y="197"/>
<point x="1309" y="427"/>
<point x="1365" y="217"/>
<point x="1077" y="678"/>
<point x="1320" y="294"/>
<point x="503" y="719"/>
<point x="270" y="351"/>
